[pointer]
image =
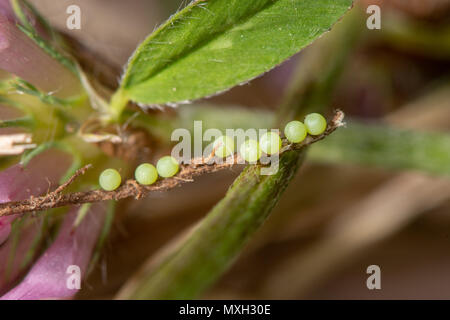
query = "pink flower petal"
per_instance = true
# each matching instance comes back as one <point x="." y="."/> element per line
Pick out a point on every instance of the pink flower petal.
<point x="18" y="182"/>
<point x="5" y="228"/>
<point x="6" y="10"/>
<point x="19" y="55"/>
<point x="39" y="176"/>
<point x="12" y="255"/>
<point x="48" y="277"/>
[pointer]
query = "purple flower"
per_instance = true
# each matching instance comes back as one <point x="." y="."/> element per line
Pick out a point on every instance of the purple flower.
<point x="50" y="276"/>
<point x="19" y="55"/>
<point x="19" y="182"/>
<point x="5" y="228"/>
<point x="6" y="10"/>
<point x="13" y="254"/>
<point x="47" y="277"/>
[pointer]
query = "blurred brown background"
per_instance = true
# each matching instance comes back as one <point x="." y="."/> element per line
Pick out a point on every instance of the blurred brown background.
<point x="334" y="220"/>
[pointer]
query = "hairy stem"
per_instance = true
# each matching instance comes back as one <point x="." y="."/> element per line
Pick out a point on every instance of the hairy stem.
<point x="132" y="189"/>
<point x="220" y="236"/>
<point x="194" y="264"/>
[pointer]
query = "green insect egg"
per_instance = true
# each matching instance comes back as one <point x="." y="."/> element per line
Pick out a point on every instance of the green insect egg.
<point x="224" y="146"/>
<point x="110" y="179"/>
<point x="250" y="151"/>
<point x="270" y="142"/>
<point x="146" y="174"/>
<point x="295" y="131"/>
<point x="167" y="167"/>
<point x="315" y="124"/>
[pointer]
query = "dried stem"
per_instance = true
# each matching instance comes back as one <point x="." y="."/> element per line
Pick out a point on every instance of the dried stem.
<point x="131" y="188"/>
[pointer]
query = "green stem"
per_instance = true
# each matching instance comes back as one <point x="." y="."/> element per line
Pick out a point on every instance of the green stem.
<point x="219" y="238"/>
<point x="109" y="219"/>
<point x="17" y="8"/>
<point x="208" y="251"/>
<point x="25" y="122"/>
<point x="118" y="104"/>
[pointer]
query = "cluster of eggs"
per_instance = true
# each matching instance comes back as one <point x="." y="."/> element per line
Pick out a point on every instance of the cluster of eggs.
<point x="251" y="151"/>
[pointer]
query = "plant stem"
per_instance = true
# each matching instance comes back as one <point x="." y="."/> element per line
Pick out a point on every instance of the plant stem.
<point x="117" y="105"/>
<point x="26" y="122"/>
<point x="220" y="237"/>
<point x="205" y="255"/>
<point x="132" y="189"/>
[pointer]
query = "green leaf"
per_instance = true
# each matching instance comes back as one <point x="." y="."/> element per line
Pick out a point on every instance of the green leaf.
<point x="211" y="248"/>
<point x="312" y="84"/>
<point x="213" y="45"/>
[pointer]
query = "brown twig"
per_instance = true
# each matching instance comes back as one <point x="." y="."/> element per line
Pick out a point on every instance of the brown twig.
<point x="131" y="188"/>
<point x="65" y="185"/>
